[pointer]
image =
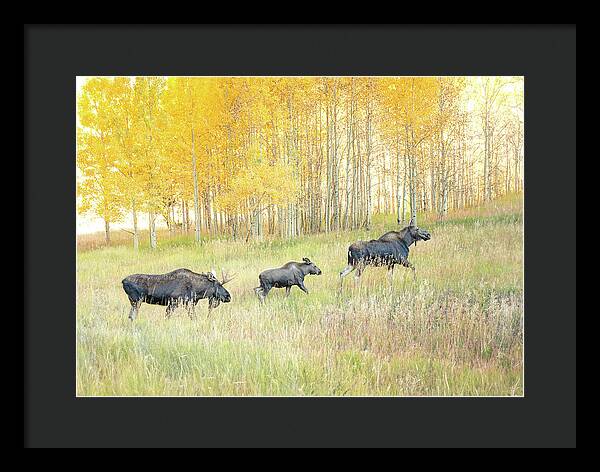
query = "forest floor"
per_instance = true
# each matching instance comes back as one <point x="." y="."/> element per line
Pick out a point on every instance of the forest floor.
<point x="456" y="330"/>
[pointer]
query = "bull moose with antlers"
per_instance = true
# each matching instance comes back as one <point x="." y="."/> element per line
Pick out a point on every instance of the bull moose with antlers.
<point x="179" y="287"/>
<point x="389" y="250"/>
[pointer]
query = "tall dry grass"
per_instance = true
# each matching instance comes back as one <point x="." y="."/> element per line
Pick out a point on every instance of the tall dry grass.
<point x="457" y="330"/>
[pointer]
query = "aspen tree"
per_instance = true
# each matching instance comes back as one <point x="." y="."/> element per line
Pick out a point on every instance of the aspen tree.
<point x="346" y="147"/>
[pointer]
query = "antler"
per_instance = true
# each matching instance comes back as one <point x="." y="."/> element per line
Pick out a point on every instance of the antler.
<point x="412" y="221"/>
<point x="226" y="277"/>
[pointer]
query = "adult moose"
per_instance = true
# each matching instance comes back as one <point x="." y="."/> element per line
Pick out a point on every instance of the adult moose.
<point x="179" y="287"/>
<point x="286" y="276"/>
<point x="389" y="250"/>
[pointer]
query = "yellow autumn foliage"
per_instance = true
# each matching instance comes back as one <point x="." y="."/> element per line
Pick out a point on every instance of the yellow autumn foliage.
<point x="327" y="152"/>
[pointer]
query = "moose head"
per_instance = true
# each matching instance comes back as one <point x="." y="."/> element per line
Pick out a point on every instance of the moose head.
<point x="417" y="233"/>
<point x="312" y="268"/>
<point x="220" y="293"/>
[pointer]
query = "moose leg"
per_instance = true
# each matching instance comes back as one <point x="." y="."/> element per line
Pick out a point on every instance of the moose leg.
<point x="287" y="291"/>
<point x="213" y="303"/>
<point x="302" y="287"/>
<point x="391" y="272"/>
<point x="263" y="292"/>
<point x="170" y="308"/>
<point x="359" y="271"/>
<point x="347" y="270"/>
<point x="191" y="309"/>
<point x="135" y="305"/>
<point x="405" y="263"/>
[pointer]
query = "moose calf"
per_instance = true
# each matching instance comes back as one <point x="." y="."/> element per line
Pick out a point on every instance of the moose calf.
<point x="287" y="276"/>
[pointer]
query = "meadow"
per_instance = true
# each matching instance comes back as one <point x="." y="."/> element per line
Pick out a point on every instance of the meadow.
<point x="456" y="330"/>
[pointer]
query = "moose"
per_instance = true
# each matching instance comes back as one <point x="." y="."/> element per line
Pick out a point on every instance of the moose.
<point x="179" y="287"/>
<point x="287" y="276"/>
<point x="389" y="250"/>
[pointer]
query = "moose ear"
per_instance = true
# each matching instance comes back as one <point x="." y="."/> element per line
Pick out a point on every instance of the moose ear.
<point x="411" y="223"/>
<point x="306" y="259"/>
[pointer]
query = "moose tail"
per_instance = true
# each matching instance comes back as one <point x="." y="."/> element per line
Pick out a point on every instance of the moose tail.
<point x="355" y="254"/>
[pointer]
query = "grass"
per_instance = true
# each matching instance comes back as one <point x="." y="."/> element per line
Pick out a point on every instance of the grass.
<point x="457" y="330"/>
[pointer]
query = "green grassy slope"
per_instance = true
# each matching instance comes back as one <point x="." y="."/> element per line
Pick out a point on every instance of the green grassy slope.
<point x="457" y="330"/>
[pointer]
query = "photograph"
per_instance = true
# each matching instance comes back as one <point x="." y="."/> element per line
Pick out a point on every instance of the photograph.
<point x="299" y="236"/>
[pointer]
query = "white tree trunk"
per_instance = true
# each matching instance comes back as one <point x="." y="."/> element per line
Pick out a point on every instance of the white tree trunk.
<point x="152" y="228"/>
<point x="196" y="198"/>
<point x="107" y="231"/>
<point x="136" y="238"/>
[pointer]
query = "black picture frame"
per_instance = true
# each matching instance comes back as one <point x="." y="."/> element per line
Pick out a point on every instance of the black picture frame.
<point x="54" y="55"/>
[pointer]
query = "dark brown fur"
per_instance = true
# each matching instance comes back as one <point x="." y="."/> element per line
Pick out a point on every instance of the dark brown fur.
<point x="179" y="287"/>
<point x="390" y="249"/>
<point x="286" y="276"/>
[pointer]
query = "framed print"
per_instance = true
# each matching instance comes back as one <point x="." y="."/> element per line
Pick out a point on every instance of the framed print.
<point x="347" y="243"/>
